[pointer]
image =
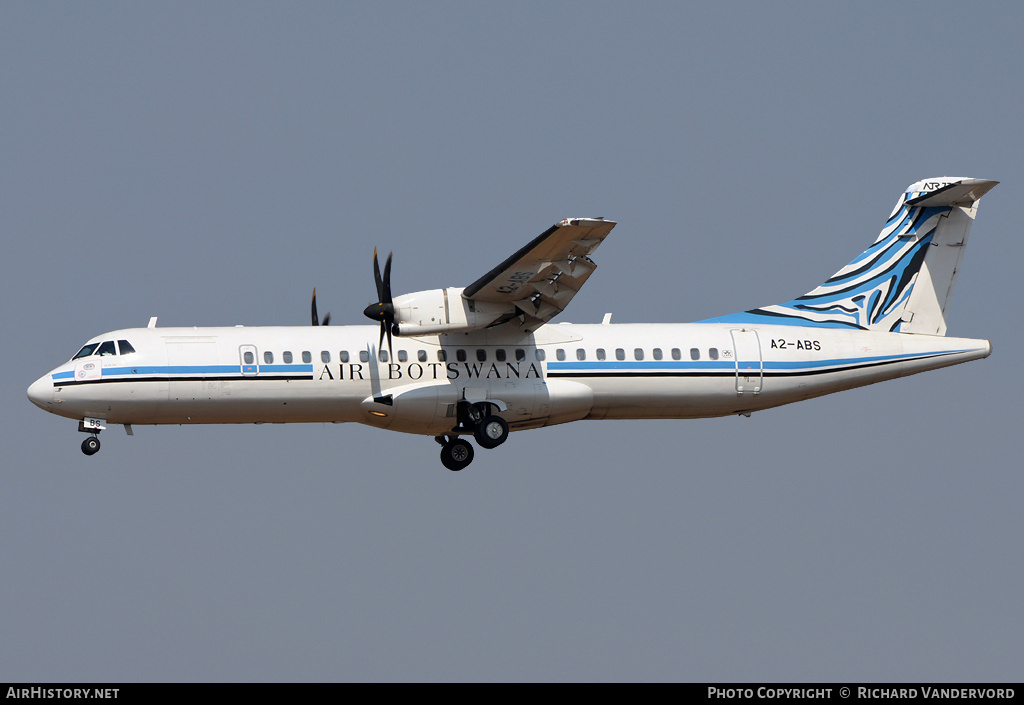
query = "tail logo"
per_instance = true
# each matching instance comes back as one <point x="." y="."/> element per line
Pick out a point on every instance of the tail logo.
<point x="872" y="291"/>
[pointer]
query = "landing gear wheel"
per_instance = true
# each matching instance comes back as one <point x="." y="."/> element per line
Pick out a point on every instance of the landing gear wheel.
<point x="457" y="454"/>
<point x="91" y="445"/>
<point x="491" y="432"/>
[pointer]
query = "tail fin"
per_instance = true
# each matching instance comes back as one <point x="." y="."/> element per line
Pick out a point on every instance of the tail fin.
<point x="902" y="283"/>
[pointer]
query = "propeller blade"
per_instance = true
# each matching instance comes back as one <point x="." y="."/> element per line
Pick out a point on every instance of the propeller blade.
<point x="316" y="319"/>
<point x="386" y="298"/>
<point x="384" y="309"/>
<point x="376" y="277"/>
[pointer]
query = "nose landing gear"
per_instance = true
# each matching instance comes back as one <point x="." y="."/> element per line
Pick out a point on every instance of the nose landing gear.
<point x="91" y="445"/>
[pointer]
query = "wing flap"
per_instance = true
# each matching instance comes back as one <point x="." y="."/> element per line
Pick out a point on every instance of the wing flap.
<point x="542" y="277"/>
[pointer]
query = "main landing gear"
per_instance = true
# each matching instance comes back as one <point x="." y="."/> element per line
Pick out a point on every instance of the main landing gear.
<point x="489" y="429"/>
<point x="455" y="452"/>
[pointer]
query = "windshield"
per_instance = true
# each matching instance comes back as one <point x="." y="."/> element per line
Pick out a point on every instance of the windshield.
<point x="86" y="351"/>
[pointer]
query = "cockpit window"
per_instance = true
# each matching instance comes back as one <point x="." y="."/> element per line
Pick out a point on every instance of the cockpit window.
<point x="86" y="351"/>
<point x="125" y="347"/>
<point x="107" y="348"/>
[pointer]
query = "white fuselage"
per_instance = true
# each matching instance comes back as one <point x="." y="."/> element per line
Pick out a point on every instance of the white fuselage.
<point x="561" y="373"/>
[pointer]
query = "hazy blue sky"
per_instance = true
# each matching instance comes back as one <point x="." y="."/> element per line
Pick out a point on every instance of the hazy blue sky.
<point x="210" y="163"/>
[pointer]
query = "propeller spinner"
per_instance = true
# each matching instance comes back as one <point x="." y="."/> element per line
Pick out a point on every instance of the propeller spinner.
<point x="384" y="309"/>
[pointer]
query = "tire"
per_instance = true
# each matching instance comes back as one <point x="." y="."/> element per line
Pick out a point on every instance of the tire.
<point x="456" y="455"/>
<point x="91" y="445"/>
<point x="491" y="432"/>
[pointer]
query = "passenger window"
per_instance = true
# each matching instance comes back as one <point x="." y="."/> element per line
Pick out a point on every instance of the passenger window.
<point x="421" y="355"/>
<point x="343" y="356"/>
<point x="364" y="356"/>
<point x="86" y="351"/>
<point x="713" y="353"/>
<point x="268" y="357"/>
<point x="325" y="356"/>
<point x="125" y="347"/>
<point x="560" y="354"/>
<point x="442" y="355"/>
<point x="657" y="353"/>
<point x="581" y="354"/>
<point x="541" y="355"/>
<point x="620" y="354"/>
<point x="460" y="355"/>
<point x="520" y="354"/>
<point x="248" y="357"/>
<point x="107" y="348"/>
<point x="481" y="355"/>
<point x="600" y="354"/>
<point x="500" y="354"/>
<point x="677" y="354"/>
<point x="403" y="356"/>
<point x="287" y="357"/>
<point x="307" y="356"/>
<point x="383" y="356"/>
<point x="694" y="353"/>
<point x="638" y="353"/>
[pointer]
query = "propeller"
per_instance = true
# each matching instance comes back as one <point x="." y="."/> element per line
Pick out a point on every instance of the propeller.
<point x="316" y="319"/>
<point x="384" y="309"/>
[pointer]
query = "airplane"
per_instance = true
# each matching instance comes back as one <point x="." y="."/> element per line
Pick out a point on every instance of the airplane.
<point x="483" y="360"/>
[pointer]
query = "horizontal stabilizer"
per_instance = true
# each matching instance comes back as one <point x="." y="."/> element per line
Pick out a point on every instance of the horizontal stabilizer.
<point x="960" y="192"/>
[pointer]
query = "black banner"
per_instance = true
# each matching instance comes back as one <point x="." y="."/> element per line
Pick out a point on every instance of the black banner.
<point x="717" y="692"/>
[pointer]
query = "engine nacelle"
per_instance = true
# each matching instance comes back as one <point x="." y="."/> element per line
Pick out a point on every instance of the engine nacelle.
<point x="445" y="311"/>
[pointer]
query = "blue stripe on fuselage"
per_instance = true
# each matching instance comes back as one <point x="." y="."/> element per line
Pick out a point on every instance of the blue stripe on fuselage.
<point x="705" y="366"/>
<point x="185" y="370"/>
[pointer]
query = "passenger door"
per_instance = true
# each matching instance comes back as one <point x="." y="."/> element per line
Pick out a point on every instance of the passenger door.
<point x="749" y="366"/>
<point x="248" y="361"/>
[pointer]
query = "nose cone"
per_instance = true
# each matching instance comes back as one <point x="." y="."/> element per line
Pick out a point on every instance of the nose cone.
<point x="41" y="392"/>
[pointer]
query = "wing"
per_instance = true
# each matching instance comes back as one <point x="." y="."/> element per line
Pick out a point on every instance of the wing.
<point x="542" y="277"/>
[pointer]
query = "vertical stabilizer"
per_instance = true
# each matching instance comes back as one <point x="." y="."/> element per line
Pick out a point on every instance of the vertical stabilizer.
<point x="929" y="299"/>
<point x="904" y="282"/>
